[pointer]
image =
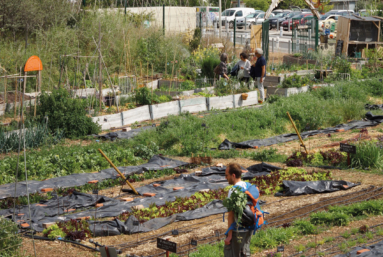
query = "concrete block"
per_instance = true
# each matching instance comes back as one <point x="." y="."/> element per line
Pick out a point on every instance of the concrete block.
<point x="193" y="105"/>
<point x="137" y="114"/>
<point x="165" y="109"/>
<point x="220" y="102"/>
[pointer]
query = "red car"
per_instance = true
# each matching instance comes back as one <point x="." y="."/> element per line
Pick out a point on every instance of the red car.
<point x="297" y="21"/>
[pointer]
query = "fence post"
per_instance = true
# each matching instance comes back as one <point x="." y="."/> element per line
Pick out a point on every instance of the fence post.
<point x="235" y="26"/>
<point x="163" y="18"/>
<point x="289" y="46"/>
<point x="241" y="39"/>
<point x="200" y="20"/>
<point x="272" y="45"/>
<point x="245" y="24"/>
<point x="281" y="31"/>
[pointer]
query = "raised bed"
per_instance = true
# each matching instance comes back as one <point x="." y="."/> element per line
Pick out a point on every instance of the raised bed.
<point x="286" y="91"/>
<point x="252" y="99"/>
<point x="165" y="109"/>
<point x="193" y="105"/>
<point x="220" y="102"/>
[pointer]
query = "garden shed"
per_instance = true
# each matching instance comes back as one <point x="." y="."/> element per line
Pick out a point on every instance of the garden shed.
<point x="354" y="34"/>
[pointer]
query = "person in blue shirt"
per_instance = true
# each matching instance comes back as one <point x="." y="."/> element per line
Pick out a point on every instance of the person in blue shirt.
<point x="260" y="72"/>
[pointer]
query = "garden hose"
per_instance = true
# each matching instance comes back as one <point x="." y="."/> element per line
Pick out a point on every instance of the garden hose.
<point x="63" y="240"/>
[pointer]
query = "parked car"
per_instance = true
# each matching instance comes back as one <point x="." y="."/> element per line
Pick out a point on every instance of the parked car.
<point x="261" y="18"/>
<point x="278" y="19"/>
<point x="306" y="20"/>
<point x="232" y="14"/>
<point x="249" y="19"/>
<point x="295" y="19"/>
<point x="276" y="11"/>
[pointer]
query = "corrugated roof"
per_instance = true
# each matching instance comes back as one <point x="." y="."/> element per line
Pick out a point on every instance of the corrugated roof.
<point x="357" y="18"/>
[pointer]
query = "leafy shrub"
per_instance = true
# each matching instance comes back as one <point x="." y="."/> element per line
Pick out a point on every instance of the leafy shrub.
<point x="273" y="237"/>
<point x="164" y="98"/>
<point x="296" y="81"/>
<point x="208" y="65"/>
<point x="195" y="42"/>
<point x="187" y="85"/>
<point x="9" y="240"/>
<point x="146" y="151"/>
<point x="330" y="219"/>
<point x="145" y="97"/>
<point x="66" y="113"/>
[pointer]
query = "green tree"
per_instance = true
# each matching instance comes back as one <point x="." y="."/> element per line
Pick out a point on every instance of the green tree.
<point x="258" y="5"/>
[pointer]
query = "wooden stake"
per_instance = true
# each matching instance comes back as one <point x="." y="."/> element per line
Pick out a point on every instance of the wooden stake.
<point x="171" y="80"/>
<point x="100" y="64"/>
<point x="166" y="62"/>
<point x="22" y="104"/>
<point x="152" y="85"/>
<point x="37" y="82"/>
<point x="5" y="94"/>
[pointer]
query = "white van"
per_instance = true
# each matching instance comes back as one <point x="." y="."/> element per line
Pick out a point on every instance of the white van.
<point x="231" y="14"/>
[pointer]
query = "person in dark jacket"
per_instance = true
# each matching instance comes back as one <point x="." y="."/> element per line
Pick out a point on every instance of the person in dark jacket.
<point x="223" y="66"/>
<point x="260" y="72"/>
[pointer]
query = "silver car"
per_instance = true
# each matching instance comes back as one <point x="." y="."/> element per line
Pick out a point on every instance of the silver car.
<point x="261" y="18"/>
<point x="249" y="19"/>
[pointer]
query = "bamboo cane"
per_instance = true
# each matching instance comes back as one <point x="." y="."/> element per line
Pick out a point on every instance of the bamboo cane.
<point x="118" y="171"/>
<point x="296" y="130"/>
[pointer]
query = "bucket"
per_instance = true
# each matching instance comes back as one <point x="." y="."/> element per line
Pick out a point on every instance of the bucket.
<point x="244" y="96"/>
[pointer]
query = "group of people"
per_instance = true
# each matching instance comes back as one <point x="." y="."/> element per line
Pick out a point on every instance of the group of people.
<point x="257" y="70"/>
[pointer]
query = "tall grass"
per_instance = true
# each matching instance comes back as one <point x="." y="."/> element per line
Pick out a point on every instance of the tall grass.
<point x="125" y="48"/>
<point x="368" y="155"/>
<point x="185" y="134"/>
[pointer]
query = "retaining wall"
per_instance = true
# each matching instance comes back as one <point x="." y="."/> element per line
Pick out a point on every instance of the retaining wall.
<point x="156" y="111"/>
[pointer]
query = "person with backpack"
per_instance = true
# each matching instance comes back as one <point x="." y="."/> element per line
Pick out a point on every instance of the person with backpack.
<point x="221" y="69"/>
<point x="237" y="242"/>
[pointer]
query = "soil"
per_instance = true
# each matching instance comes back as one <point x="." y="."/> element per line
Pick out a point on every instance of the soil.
<point x="282" y="209"/>
<point x="11" y="96"/>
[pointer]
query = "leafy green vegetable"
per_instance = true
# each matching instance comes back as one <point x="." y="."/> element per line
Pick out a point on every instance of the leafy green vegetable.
<point x="236" y="203"/>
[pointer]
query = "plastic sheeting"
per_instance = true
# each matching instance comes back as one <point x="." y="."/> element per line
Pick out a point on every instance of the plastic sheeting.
<point x="252" y="171"/>
<point x="371" y="121"/>
<point x="155" y="163"/>
<point x="375" y="250"/>
<point x="293" y="188"/>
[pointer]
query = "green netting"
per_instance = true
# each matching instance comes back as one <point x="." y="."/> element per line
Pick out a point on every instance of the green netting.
<point x="265" y="39"/>
<point x="304" y="35"/>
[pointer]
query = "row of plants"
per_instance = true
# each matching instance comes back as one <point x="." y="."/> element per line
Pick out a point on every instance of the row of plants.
<point x="107" y="183"/>
<point x="369" y="155"/>
<point x="330" y="157"/>
<point x="267" y="184"/>
<point x="318" y="222"/>
<point x="62" y="160"/>
<point x="297" y="81"/>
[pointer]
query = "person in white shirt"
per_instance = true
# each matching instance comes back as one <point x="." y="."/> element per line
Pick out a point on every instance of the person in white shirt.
<point x="233" y="248"/>
<point x="244" y="68"/>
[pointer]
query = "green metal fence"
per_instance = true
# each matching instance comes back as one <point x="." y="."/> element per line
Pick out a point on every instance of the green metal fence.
<point x="265" y="39"/>
<point x="305" y="35"/>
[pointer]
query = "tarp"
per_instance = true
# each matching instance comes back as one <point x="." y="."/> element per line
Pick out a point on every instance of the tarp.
<point x="371" y="121"/>
<point x="122" y="134"/>
<point x="155" y="163"/>
<point x="292" y="188"/>
<point x="251" y="172"/>
<point x="375" y="250"/>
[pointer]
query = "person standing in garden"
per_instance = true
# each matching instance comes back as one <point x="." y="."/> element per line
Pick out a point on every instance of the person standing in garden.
<point x="221" y="69"/>
<point x="244" y="68"/>
<point x="258" y="72"/>
<point x="237" y="243"/>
